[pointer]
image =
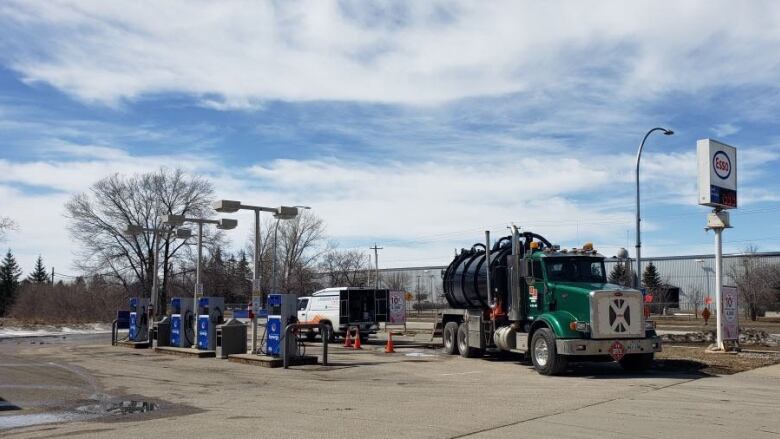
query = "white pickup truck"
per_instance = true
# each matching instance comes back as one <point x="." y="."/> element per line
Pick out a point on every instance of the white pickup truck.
<point x="342" y="308"/>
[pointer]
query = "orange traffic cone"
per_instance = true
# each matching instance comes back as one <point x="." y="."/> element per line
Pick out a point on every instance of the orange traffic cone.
<point x="357" y="340"/>
<point x="389" y="348"/>
<point x="347" y="341"/>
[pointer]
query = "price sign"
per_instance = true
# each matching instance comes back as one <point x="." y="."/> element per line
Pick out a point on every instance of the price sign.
<point x="717" y="174"/>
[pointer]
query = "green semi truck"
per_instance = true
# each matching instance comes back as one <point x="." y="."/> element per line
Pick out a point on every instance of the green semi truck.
<point x="524" y="295"/>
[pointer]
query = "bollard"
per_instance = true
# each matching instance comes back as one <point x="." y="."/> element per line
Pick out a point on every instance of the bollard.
<point x="325" y="334"/>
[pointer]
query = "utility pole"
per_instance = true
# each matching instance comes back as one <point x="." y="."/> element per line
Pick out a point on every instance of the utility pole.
<point x="52" y="275"/>
<point x="376" y="262"/>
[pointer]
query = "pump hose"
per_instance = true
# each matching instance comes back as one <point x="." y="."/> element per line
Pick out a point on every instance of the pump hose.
<point x="187" y="323"/>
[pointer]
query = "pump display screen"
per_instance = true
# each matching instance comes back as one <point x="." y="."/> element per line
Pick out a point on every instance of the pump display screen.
<point x="575" y="269"/>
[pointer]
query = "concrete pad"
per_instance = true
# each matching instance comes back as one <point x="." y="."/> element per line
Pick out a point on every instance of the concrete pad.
<point x="134" y="344"/>
<point x="186" y="352"/>
<point x="265" y="361"/>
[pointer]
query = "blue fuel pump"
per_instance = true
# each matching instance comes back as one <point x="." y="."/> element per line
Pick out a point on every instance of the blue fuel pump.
<point x="139" y="319"/>
<point x="182" y="316"/>
<point x="210" y="314"/>
<point x="282" y="311"/>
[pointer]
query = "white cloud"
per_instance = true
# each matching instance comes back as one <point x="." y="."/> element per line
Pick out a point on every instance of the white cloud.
<point x="725" y="129"/>
<point x="238" y="54"/>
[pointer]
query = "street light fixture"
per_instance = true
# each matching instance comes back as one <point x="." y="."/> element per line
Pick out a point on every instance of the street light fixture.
<point x="638" y="238"/>
<point x="222" y="224"/>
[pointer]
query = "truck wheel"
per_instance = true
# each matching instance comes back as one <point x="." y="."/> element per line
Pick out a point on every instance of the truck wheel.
<point x="465" y="350"/>
<point x="637" y="362"/>
<point x="544" y="355"/>
<point x="450" y="338"/>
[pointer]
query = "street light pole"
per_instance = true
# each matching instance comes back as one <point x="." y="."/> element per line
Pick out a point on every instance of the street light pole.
<point x="223" y="224"/>
<point x="258" y="299"/>
<point x="638" y="237"/>
<point x="273" y="263"/>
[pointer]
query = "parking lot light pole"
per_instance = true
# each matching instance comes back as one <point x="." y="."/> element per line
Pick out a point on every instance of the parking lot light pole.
<point x="222" y="224"/>
<point x="283" y="213"/>
<point x="666" y="132"/>
<point x="135" y="230"/>
<point x="231" y="206"/>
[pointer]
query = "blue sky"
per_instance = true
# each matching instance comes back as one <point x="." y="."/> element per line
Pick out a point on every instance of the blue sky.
<point x="415" y="125"/>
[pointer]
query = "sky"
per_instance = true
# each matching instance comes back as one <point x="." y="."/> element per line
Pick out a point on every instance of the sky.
<point x="412" y="125"/>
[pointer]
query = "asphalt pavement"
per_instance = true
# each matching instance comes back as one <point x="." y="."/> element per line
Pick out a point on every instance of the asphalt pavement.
<point x="68" y="388"/>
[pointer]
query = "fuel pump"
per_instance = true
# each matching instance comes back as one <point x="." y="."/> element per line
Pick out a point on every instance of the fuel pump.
<point x="182" y="322"/>
<point x="139" y="319"/>
<point x="210" y="314"/>
<point x="282" y="310"/>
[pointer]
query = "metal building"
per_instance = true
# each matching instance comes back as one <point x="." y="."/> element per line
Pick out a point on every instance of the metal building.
<point x="694" y="275"/>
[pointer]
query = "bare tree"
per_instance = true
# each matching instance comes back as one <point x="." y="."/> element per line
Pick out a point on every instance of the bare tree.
<point x="695" y="296"/>
<point x="396" y="280"/>
<point x="345" y="268"/>
<point x="297" y="252"/>
<point x="756" y="281"/>
<point x="98" y="218"/>
<point x="6" y="225"/>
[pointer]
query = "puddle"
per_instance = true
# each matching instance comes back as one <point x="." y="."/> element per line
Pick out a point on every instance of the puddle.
<point x="119" y="407"/>
<point x="83" y="413"/>
<point x="15" y="421"/>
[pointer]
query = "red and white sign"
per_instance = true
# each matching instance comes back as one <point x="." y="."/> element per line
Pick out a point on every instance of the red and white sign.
<point x="617" y="350"/>
<point x="717" y="163"/>
<point x="730" y="308"/>
<point x="397" y="308"/>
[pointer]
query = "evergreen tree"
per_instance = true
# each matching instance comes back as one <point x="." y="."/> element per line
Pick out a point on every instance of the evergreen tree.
<point x="617" y="274"/>
<point x="39" y="274"/>
<point x="621" y="274"/>
<point x="651" y="279"/>
<point x="9" y="281"/>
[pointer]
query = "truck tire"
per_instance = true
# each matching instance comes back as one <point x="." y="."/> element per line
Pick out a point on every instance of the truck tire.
<point x="450" y="338"/>
<point x="465" y="350"/>
<point x="544" y="356"/>
<point x="637" y="362"/>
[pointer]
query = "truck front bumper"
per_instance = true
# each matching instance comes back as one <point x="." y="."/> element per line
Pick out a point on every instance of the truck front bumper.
<point x="580" y="346"/>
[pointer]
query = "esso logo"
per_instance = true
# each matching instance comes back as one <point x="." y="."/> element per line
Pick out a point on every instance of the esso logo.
<point x="721" y="164"/>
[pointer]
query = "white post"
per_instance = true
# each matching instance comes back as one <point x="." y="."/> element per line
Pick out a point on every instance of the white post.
<point x="718" y="284"/>
<point x="256" y="280"/>
<point x="155" y="287"/>
<point x="197" y="286"/>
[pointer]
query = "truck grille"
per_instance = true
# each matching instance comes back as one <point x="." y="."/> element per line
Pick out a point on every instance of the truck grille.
<point x="616" y="314"/>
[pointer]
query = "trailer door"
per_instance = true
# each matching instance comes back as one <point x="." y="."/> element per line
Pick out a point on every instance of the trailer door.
<point x="344" y="307"/>
<point x="380" y="305"/>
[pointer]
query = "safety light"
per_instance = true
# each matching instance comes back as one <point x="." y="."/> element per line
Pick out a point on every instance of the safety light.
<point x="579" y="326"/>
<point x="588" y="246"/>
<point x="534" y="245"/>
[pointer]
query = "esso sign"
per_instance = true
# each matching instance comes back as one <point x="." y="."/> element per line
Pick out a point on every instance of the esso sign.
<point x="721" y="164"/>
<point x="717" y="165"/>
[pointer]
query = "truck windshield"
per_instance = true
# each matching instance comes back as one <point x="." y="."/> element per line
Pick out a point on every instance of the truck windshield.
<point x="575" y="269"/>
<point x="302" y="304"/>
